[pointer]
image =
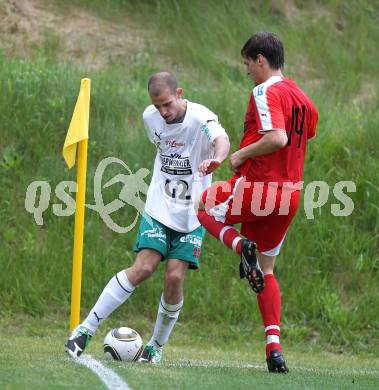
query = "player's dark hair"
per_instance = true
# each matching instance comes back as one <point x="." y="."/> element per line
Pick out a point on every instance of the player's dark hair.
<point x="269" y="45"/>
<point x="158" y="82"/>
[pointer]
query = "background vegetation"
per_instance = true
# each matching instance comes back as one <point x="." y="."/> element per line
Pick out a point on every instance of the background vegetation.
<point x="328" y="269"/>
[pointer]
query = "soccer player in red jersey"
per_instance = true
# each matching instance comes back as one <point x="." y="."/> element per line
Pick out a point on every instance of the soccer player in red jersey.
<point x="263" y="194"/>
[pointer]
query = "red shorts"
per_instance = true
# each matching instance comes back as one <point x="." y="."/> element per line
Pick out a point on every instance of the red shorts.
<point x="264" y="210"/>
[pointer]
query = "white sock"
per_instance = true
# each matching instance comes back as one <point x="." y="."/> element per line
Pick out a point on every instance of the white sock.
<point x="166" y="319"/>
<point x="116" y="292"/>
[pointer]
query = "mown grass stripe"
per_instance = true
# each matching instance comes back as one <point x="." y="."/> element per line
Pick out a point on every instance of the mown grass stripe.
<point x="214" y="364"/>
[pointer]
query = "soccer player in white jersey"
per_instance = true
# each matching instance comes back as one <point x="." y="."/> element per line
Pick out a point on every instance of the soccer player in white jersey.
<point x="190" y="144"/>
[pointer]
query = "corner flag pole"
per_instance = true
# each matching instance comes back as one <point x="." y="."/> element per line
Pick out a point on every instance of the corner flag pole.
<point x="78" y="135"/>
<point x="76" y="284"/>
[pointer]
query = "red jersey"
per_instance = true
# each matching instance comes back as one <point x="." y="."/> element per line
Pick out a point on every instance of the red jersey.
<point x="278" y="103"/>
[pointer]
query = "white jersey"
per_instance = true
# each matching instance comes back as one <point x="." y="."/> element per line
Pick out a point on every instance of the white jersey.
<point x="181" y="147"/>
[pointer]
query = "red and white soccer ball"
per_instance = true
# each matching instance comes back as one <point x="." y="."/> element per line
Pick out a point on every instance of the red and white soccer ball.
<point x="123" y="344"/>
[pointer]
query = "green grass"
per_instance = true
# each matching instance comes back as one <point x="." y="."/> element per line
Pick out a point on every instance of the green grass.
<point x="328" y="269"/>
<point x="33" y="357"/>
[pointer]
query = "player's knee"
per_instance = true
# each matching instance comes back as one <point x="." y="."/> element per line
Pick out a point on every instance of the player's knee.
<point x="267" y="270"/>
<point x="143" y="270"/>
<point x="266" y="263"/>
<point x="174" y="279"/>
<point x="147" y="269"/>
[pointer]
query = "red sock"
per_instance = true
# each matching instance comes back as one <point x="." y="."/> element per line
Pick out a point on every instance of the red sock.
<point x="270" y="306"/>
<point x="223" y="232"/>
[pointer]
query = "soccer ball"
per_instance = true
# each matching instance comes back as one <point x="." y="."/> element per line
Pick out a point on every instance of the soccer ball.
<point x="123" y="344"/>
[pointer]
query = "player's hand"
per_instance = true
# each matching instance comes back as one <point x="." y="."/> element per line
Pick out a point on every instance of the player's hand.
<point x="236" y="160"/>
<point x="208" y="166"/>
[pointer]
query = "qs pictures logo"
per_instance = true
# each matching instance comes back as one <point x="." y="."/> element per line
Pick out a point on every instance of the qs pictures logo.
<point x="133" y="186"/>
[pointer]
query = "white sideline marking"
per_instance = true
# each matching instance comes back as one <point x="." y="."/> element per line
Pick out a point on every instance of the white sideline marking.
<point x="107" y="376"/>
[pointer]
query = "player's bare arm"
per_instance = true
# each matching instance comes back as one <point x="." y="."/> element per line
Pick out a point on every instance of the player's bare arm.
<point x="221" y="150"/>
<point x="271" y="141"/>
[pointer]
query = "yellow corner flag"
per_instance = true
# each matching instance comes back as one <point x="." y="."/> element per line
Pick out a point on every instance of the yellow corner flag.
<point x="78" y="129"/>
<point x="78" y="134"/>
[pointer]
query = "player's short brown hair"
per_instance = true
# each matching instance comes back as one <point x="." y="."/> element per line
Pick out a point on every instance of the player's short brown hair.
<point x="269" y="45"/>
<point x="159" y="81"/>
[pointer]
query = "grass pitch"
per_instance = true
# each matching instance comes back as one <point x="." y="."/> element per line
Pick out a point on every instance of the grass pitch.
<point x="329" y="282"/>
<point x="33" y="357"/>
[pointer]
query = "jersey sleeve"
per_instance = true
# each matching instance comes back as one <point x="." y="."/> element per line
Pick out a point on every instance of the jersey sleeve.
<point x="212" y="129"/>
<point x="210" y="126"/>
<point x="313" y="123"/>
<point x="269" y="109"/>
<point x="146" y="116"/>
<point x="148" y="131"/>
